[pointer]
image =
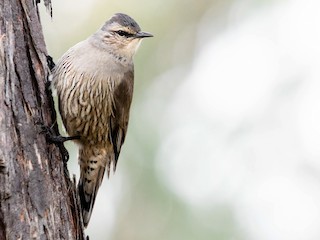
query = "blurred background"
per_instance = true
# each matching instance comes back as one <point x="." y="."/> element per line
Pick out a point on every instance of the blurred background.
<point x="224" y="136"/>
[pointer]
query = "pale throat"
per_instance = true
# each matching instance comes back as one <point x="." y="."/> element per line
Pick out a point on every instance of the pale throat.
<point x="125" y="54"/>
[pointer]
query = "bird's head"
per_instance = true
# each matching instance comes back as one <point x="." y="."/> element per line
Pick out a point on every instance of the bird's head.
<point x="121" y="34"/>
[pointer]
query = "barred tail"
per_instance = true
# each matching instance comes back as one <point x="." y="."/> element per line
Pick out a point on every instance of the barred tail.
<point x="93" y="163"/>
<point x="88" y="190"/>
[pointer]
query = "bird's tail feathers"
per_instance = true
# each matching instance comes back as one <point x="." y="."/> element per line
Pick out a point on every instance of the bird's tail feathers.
<point x="87" y="198"/>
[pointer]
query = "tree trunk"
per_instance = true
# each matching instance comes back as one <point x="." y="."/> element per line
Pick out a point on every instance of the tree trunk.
<point x="37" y="198"/>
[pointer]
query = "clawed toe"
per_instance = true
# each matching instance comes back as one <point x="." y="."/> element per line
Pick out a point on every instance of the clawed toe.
<point x="52" y="137"/>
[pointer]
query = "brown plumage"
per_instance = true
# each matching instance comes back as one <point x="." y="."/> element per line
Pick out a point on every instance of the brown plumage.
<point x="94" y="83"/>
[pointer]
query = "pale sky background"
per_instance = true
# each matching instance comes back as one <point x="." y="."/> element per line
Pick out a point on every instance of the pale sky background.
<point x="224" y="136"/>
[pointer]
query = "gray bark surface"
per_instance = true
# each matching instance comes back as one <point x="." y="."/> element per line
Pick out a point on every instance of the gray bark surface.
<point x="37" y="198"/>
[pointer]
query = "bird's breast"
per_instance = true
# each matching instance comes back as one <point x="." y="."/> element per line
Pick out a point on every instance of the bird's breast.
<point x="87" y="84"/>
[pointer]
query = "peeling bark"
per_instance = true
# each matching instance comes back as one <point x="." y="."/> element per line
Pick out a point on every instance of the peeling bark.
<point x="37" y="198"/>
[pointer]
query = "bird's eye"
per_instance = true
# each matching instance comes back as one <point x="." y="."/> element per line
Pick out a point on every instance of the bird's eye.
<point x="124" y="34"/>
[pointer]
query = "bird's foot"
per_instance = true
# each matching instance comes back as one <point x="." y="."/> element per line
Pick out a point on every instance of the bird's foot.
<point x="50" y="62"/>
<point x="58" y="140"/>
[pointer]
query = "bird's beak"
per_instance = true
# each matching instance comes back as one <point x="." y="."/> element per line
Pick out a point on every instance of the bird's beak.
<point x="143" y="35"/>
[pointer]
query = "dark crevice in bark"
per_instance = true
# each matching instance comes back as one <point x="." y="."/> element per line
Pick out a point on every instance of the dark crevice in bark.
<point x="2" y="227"/>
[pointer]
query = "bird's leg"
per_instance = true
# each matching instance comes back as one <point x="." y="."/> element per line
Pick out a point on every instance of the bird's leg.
<point x="58" y="140"/>
<point x="61" y="139"/>
<point x="53" y="138"/>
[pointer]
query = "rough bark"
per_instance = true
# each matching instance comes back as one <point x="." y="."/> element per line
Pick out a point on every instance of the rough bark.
<point x="37" y="198"/>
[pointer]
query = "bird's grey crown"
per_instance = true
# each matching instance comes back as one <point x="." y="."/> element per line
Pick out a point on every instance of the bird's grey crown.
<point x="123" y="20"/>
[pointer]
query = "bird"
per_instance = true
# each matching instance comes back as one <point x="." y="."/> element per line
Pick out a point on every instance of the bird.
<point x="94" y="83"/>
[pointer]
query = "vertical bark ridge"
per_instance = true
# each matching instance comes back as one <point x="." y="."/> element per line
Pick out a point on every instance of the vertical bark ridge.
<point x="37" y="198"/>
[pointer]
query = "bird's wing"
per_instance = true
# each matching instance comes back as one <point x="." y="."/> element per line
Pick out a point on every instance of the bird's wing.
<point x="120" y="117"/>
